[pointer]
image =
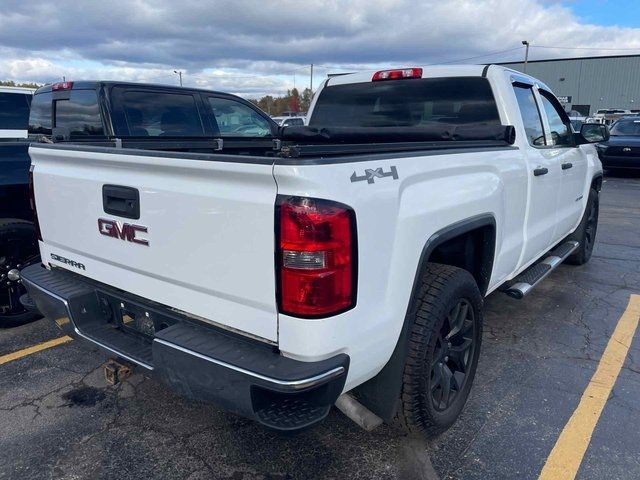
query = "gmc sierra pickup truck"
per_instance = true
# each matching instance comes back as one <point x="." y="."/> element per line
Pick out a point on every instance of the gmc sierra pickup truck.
<point x="18" y="243"/>
<point x="348" y="259"/>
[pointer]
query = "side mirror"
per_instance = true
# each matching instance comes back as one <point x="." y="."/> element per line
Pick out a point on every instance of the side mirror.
<point x="592" y="133"/>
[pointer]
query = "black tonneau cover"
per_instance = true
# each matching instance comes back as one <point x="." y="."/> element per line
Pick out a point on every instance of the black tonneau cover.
<point x="427" y="133"/>
<point x="313" y="141"/>
<point x="306" y="141"/>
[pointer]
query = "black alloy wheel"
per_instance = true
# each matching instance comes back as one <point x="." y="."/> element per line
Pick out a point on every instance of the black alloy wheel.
<point x="452" y="356"/>
<point x="443" y="349"/>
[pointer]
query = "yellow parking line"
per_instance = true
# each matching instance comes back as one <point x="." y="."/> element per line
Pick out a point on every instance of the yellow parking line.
<point x="36" y="348"/>
<point x="565" y="458"/>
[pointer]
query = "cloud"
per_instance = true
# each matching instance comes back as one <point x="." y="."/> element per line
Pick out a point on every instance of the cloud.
<point x="252" y="47"/>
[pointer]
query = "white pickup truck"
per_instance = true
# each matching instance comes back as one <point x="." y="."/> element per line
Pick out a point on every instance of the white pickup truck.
<point x="351" y="255"/>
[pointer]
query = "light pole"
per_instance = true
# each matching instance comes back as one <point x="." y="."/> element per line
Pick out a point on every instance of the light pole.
<point x="179" y="72"/>
<point x="526" y="54"/>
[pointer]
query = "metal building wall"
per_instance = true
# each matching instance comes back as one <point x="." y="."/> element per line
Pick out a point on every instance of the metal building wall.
<point x="604" y="82"/>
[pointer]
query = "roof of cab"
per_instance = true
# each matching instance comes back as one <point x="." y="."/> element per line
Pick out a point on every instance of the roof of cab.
<point x="436" y="71"/>
<point x="428" y="71"/>
<point x="22" y="90"/>
<point x="92" y="84"/>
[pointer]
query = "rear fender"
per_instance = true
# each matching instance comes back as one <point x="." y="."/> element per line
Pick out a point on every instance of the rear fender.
<point x="381" y="393"/>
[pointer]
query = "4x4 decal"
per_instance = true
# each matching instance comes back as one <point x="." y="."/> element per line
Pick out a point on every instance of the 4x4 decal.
<point x="370" y="175"/>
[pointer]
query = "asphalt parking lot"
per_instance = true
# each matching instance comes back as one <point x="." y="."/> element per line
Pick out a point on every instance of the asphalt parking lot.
<point x="59" y="419"/>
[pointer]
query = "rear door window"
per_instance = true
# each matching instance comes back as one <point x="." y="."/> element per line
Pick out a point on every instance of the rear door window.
<point x="160" y="114"/>
<point x="235" y="119"/>
<point x="530" y="115"/>
<point x="14" y="111"/>
<point x="79" y="115"/>
<point x="40" y="119"/>
<point x="407" y="103"/>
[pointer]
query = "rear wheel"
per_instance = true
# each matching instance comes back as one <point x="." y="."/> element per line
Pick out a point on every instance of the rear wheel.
<point x="444" y="346"/>
<point x="585" y="234"/>
<point x="18" y="249"/>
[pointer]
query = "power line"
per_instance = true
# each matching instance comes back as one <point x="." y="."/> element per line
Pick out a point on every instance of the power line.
<point x="587" y="48"/>
<point x="481" y="56"/>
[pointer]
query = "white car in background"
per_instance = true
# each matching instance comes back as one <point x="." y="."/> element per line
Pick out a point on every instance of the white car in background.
<point x="289" y="121"/>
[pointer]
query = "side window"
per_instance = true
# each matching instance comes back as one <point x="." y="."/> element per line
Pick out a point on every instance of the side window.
<point x="530" y="115"/>
<point x="158" y="114"/>
<point x="80" y="114"/>
<point x="40" y="122"/>
<point x="235" y="119"/>
<point x="560" y="131"/>
<point x="14" y="111"/>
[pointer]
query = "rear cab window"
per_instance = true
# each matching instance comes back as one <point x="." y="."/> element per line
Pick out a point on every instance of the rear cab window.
<point x="40" y="117"/>
<point x="78" y="115"/>
<point x="407" y="103"/>
<point x="67" y="114"/>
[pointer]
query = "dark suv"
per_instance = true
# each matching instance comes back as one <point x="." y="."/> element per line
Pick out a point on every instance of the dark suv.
<point x="18" y="244"/>
<point x="149" y="116"/>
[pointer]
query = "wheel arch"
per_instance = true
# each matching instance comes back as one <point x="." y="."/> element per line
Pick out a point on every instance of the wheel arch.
<point x="381" y="393"/>
<point x="596" y="181"/>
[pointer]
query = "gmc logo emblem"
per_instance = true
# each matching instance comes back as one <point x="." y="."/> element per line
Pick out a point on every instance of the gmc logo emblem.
<point x="123" y="231"/>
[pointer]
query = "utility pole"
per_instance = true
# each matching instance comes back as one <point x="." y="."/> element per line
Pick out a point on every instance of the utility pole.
<point x="179" y="72"/>
<point x="311" y="81"/>
<point x="526" y="54"/>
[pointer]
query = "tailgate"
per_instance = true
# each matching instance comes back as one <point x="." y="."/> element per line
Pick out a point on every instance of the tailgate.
<point x="203" y="242"/>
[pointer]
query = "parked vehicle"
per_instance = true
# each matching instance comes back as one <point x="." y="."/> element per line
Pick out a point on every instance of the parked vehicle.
<point x="18" y="245"/>
<point x="289" y="113"/>
<point x="356" y="260"/>
<point x="141" y="115"/>
<point x="608" y="116"/>
<point x="288" y="121"/>
<point x="622" y="150"/>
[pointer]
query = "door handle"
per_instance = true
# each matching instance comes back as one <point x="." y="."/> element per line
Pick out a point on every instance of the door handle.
<point x="567" y="166"/>
<point x="540" y="171"/>
<point x="121" y="201"/>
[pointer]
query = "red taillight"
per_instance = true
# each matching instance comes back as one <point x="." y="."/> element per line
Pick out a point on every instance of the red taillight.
<point x="32" y="202"/>
<point x="397" y="74"/>
<point x="317" y="257"/>
<point x="62" y="86"/>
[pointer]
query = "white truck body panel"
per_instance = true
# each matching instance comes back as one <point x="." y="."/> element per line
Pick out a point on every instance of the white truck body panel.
<point x="210" y="231"/>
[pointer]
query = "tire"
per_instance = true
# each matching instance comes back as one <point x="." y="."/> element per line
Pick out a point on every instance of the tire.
<point x="443" y="295"/>
<point x="18" y="249"/>
<point x="586" y="231"/>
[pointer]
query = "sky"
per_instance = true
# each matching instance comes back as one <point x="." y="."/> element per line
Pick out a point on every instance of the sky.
<point x="253" y="48"/>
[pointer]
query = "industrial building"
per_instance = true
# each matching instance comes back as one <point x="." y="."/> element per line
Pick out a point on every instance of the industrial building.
<point x="588" y="84"/>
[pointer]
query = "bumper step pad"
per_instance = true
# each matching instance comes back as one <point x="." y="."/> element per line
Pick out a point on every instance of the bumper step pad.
<point x="200" y="361"/>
